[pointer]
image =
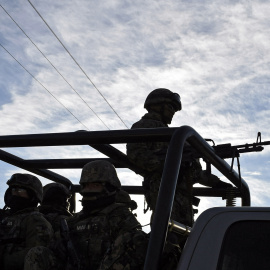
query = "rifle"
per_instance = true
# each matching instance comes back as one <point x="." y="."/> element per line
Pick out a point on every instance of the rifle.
<point x="73" y="258"/>
<point x="228" y="151"/>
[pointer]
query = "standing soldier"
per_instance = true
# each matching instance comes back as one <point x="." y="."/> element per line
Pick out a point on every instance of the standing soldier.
<point x="161" y="105"/>
<point x="105" y="234"/>
<point x="24" y="232"/>
<point x="55" y="205"/>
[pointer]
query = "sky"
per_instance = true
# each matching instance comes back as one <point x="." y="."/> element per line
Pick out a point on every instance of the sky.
<point x="73" y="65"/>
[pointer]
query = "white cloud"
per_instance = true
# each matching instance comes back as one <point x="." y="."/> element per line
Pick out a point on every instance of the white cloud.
<point x="214" y="53"/>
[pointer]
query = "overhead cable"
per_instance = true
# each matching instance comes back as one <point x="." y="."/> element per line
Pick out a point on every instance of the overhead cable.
<point x="53" y="66"/>
<point x="43" y="86"/>
<point x="76" y="62"/>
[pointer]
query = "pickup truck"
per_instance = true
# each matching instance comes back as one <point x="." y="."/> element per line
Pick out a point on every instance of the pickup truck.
<point x="229" y="238"/>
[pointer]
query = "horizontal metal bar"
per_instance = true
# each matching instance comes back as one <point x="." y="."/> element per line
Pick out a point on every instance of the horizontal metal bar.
<point x="197" y="191"/>
<point x="117" y="157"/>
<point x="19" y="162"/>
<point x="87" y="137"/>
<point x="75" y="163"/>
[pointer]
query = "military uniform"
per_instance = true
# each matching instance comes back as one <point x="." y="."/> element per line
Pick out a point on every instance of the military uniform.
<point x="123" y="197"/>
<point x="19" y="233"/>
<point x="55" y="205"/>
<point x="54" y="214"/>
<point x="24" y="232"/>
<point x="107" y="237"/>
<point x="161" y="105"/>
<point x="150" y="156"/>
<point x="105" y="234"/>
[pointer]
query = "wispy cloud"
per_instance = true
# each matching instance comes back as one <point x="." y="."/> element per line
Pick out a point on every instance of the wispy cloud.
<point x="214" y="53"/>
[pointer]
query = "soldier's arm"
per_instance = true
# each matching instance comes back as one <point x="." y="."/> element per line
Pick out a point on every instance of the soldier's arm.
<point x="39" y="231"/>
<point x="122" y="220"/>
<point x="146" y="155"/>
<point x="129" y="244"/>
<point x="142" y="155"/>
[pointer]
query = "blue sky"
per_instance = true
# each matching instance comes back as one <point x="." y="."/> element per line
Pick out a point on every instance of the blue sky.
<point x="215" y="54"/>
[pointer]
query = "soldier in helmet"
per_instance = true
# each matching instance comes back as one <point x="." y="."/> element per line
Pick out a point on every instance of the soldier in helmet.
<point x="55" y="205"/>
<point x="24" y="232"/>
<point x="124" y="198"/>
<point x="105" y="234"/>
<point x="161" y="105"/>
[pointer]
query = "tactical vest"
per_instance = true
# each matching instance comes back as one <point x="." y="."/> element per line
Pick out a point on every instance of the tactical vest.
<point x="12" y="233"/>
<point x="92" y="236"/>
<point x="54" y="214"/>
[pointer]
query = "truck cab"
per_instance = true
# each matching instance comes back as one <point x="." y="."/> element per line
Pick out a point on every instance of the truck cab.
<point x="229" y="238"/>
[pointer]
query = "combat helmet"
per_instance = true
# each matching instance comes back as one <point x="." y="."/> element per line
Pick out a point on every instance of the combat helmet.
<point x="123" y="197"/>
<point x="163" y="95"/>
<point x="27" y="181"/>
<point x="55" y="189"/>
<point x="100" y="171"/>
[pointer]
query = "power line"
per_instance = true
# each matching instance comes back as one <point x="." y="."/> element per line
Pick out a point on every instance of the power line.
<point x="53" y="66"/>
<point x="43" y="86"/>
<point x="76" y="62"/>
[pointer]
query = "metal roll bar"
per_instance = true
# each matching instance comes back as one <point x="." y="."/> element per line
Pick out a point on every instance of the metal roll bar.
<point x="168" y="185"/>
<point x="101" y="140"/>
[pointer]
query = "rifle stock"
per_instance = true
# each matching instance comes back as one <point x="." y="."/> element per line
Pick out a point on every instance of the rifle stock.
<point x="73" y="257"/>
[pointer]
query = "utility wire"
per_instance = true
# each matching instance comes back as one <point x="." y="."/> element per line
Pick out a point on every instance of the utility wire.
<point x="43" y="86"/>
<point x="54" y="66"/>
<point x="76" y="62"/>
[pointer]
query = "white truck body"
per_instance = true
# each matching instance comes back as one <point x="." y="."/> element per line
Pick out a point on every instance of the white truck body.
<point x="229" y="238"/>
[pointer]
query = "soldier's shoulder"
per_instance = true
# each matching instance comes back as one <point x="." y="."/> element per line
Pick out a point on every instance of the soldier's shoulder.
<point x="113" y="208"/>
<point x="35" y="215"/>
<point x="148" y="121"/>
<point x="27" y="213"/>
<point x="121" y="212"/>
<point x="75" y="218"/>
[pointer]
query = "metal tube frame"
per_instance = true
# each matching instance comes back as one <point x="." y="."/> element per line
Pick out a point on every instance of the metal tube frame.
<point x="100" y="140"/>
<point x="168" y="185"/>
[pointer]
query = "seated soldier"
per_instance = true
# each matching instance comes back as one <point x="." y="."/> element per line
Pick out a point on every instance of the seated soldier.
<point x="24" y="232"/>
<point x="105" y="234"/>
<point x="123" y="197"/>
<point x="55" y="205"/>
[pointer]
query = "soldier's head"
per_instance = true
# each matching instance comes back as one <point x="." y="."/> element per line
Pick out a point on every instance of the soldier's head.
<point x="164" y="102"/>
<point x="56" y="194"/>
<point x="99" y="182"/>
<point x="123" y="197"/>
<point x="25" y="190"/>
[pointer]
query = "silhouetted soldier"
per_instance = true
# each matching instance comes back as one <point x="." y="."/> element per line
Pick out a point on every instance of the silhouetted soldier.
<point x="55" y="205"/>
<point x="161" y="105"/>
<point x="24" y="232"/>
<point x="105" y="234"/>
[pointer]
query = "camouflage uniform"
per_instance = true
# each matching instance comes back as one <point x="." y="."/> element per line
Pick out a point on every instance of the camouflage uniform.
<point x="19" y="233"/>
<point x="150" y="156"/>
<point x="106" y="235"/>
<point x="161" y="105"/>
<point x="23" y="231"/>
<point x="111" y="235"/>
<point x="123" y="197"/>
